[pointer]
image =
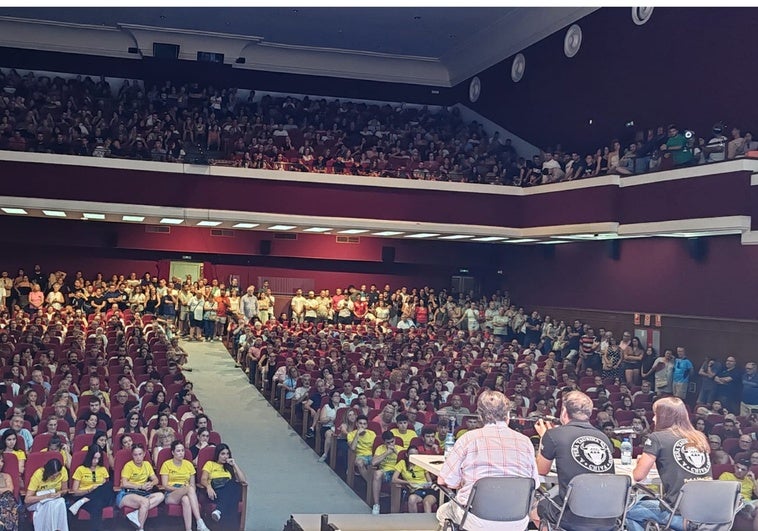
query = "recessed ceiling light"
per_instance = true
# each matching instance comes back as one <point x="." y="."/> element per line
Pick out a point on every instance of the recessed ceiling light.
<point x="54" y="213"/>
<point x="171" y="221"/>
<point x="281" y="227"/>
<point x="138" y="219"/>
<point x="353" y="231"/>
<point x="457" y="237"/>
<point x="522" y="240"/>
<point x="699" y="234"/>
<point x="553" y="242"/>
<point x="245" y="225"/>
<point x="14" y="211"/>
<point x="208" y="223"/>
<point x="489" y="239"/>
<point x="90" y="215"/>
<point x="317" y="229"/>
<point x="388" y="233"/>
<point x="423" y="235"/>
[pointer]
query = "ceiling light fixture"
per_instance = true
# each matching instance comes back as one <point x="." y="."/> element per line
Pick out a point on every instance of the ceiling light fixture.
<point x="172" y="221"/>
<point x="522" y="240"/>
<point x="54" y="213"/>
<point x="14" y="210"/>
<point x="281" y="227"/>
<point x="207" y="223"/>
<point x="245" y="225"/>
<point x="93" y="216"/>
<point x="423" y="235"/>
<point x="553" y="242"/>
<point x="388" y="233"/>
<point x="317" y="229"/>
<point x="353" y="231"/>
<point x="457" y="237"/>
<point x="489" y="239"/>
<point x="134" y="219"/>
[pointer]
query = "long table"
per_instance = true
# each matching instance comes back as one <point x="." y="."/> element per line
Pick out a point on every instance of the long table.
<point x="433" y="465"/>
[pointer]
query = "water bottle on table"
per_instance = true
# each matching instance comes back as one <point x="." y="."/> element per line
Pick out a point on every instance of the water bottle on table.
<point x="626" y="452"/>
<point x="450" y="438"/>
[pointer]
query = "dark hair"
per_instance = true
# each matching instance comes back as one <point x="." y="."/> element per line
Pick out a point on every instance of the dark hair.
<point x="220" y="448"/>
<point x="176" y="443"/>
<point x="91" y="451"/>
<point x="96" y="436"/>
<point x="52" y="467"/>
<point x="6" y="434"/>
<point x="361" y="417"/>
<point x="388" y="436"/>
<point x="401" y="417"/>
<point x="427" y="430"/>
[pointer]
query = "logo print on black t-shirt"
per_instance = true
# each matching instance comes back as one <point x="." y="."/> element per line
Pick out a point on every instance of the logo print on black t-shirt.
<point x="592" y="453"/>
<point x="690" y="458"/>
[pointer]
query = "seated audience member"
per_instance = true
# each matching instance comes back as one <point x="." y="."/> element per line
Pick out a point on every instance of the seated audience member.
<point x="221" y="478"/>
<point x="138" y="480"/>
<point x="361" y="441"/>
<point x="178" y="481"/>
<point x="416" y="481"/>
<point x="44" y="496"/>
<point x="384" y="461"/>
<point x="749" y="489"/>
<point x="92" y="487"/>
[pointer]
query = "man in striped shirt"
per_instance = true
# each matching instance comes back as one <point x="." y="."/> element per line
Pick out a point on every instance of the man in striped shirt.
<point x="493" y="450"/>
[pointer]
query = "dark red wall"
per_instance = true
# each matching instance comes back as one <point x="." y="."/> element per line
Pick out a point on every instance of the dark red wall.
<point x="693" y="66"/>
<point x="656" y="275"/>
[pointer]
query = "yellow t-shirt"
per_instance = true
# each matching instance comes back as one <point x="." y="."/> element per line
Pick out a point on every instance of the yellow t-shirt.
<point x="216" y="470"/>
<point x="406" y="437"/>
<point x="414" y="475"/>
<point x="84" y="475"/>
<point x="136" y="474"/>
<point x="21" y="455"/>
<point x="388" y="465"/>
<point x="178" y="475"/>
<point x="36" y="483"/>
<point x="746" y="486"/>
<point x="365" y="443"/>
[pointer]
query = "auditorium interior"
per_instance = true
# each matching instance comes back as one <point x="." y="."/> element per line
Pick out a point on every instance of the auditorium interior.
<point x="593" y="165"/>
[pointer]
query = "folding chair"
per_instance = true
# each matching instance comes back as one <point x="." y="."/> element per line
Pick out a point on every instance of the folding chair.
<point x="596" y="497"/>
<point x="495" y="499"/>
<point x="712" y="504"/>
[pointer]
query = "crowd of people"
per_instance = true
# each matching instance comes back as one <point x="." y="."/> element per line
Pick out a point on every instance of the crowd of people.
<point x="98" y="412"/>
<point x="379" y="374"/>
<point x="176" y="122"/>
<point x="371" y="365"/>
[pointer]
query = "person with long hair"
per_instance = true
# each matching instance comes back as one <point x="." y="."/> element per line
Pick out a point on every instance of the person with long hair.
<point x="44" y="496"/>
<point x="8" y="442"/>
<point x="679" y="452"/>
<point x="222" y="478"/>
<point x="92" y="485"/>
<point x="178" y="480"/>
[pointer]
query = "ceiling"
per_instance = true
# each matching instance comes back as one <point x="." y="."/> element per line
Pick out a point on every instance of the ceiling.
<point x="425" y="32"/>
<point x="460" y="41"/>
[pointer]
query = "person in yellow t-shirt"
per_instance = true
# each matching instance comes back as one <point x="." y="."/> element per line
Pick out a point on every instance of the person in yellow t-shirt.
<point x="91" y="483"/>
<point x="8" y="441"/>
<point x="402" y="430"/>
<point x="227" y="476"/>
<point x="361" y="441"/>
<point x="178" y="480"/>
<point x="748" y="488"/>
<point x="137" y="482"/>
<point x="416" y="480"/>
<point x="384" y="460"/>
<point x="44" y="496"/>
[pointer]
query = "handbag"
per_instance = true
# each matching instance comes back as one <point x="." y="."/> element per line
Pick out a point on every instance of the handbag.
<point x="219" y="483"/>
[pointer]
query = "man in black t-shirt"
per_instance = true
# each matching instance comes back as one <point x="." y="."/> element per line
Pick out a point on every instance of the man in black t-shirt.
<point x="577" y="447"/>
